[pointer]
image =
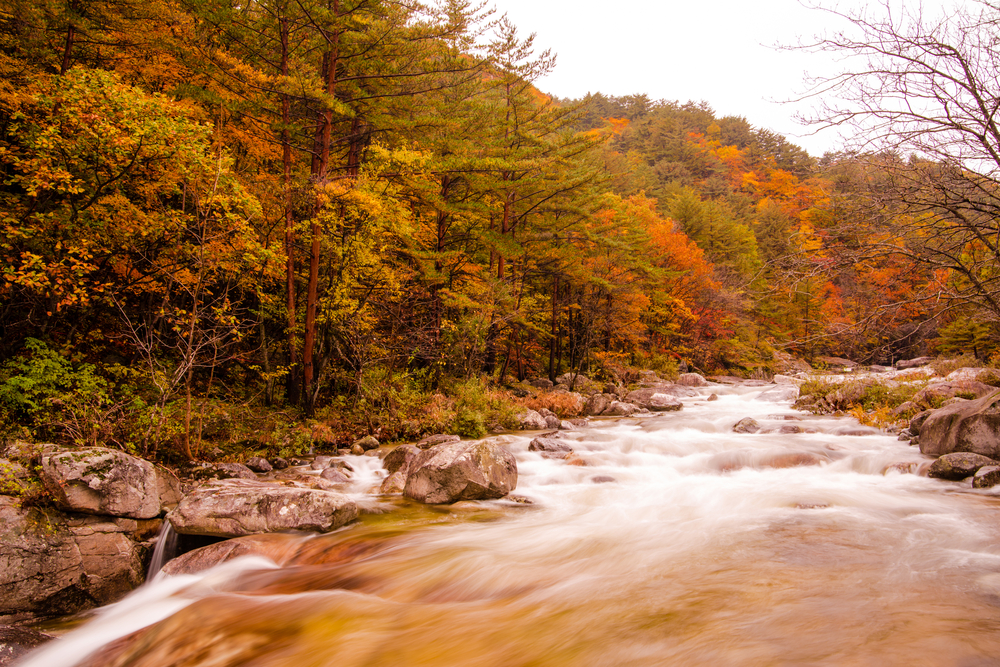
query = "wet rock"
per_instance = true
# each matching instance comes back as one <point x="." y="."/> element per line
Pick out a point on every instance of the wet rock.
<point x="551" y="421"/>
<point x="334" y="475"/>
<point x="438" y="439"/>
<point x="357" y="450"/>
<point x="904" y="468"/>
<point x="971" y="426"/>
<point x="565" y="425"/>
<point x="692" y="380"/>
<point x="791" y="460"/>
<point x="812" y="506"/>
<point x="576" y="460"/>
<point x="713" y="397"/>
<point x="905" y="436"/>
<point x="746" y="425"/>
<point x="531" y="421"/>
<point x="102" y="481"/>
<point x="259" y="464"/>
<point x="461" y="471"/>
<point x="621" y="409"/>
<point x="279" y="463"/>
<point x="958" y="465"/>
<point x="550" y="448"/>
<point x="986" y="477"/>
<point x="603" y="479"/>
<point x="274" y="547"/>
<point x="366" y="443"/>
<point x="17" y="642"/>
<point x="57" y="564"/>
<point x="321" y="462"/>
<point x="234" y="507"/>
<point x="597" y="404"/>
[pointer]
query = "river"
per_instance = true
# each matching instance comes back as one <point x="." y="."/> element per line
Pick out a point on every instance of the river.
<point x="679" y="543"/>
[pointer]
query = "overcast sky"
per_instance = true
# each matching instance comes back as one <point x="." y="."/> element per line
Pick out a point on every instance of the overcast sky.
<point x="717" y="51"/>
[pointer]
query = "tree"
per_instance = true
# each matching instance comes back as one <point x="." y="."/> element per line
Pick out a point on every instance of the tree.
<point x="928" y="89"/>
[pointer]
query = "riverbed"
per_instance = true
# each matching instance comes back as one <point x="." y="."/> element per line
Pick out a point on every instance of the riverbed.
<point x="678" y="542"/>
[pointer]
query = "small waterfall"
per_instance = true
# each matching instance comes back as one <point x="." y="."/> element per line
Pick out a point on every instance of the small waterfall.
<point x="166" y="550"/>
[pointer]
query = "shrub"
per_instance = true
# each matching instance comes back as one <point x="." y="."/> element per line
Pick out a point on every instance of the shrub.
<point x="564" y="404"/>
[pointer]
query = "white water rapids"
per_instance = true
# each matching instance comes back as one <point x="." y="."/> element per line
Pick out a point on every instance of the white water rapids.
<point x="707" y="548"/>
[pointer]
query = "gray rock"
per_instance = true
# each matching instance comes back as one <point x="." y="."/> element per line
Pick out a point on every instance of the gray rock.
<point x="692" y="380"/>
<point x="366" y="443"/>
<point x="259" y="464"/>
<point x="169" y="489"/>
<point x="234" y="507"/>
<point x="621" y="409"/>
<point x="986" y="477"/>
<point x="958" y="465"/>
<point x="438" y="439"/>
<point x="334" y="475"/>
<point x="57" y="564"/>
<point x="664" y="403"/>
<point x="397" y="463"/>
<point x="321" y="462"/>
<point x="565" y="425"/>
<point x="597" y="404"/>
<point x="746" y="425"/>
<point x="532" y="421"/>
<point x="970" y="426"/>
<point x="941" y="391"/>
<point x="279" y="463"/>
<point x="550" y="448"/>
<point x="551" y="421"/>
<point x="102" y="481"/>
<point x="603" y="479"/>
<point x="461" y="471"/>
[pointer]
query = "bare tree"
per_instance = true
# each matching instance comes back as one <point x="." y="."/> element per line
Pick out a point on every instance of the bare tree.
<point x="919" y="96"/>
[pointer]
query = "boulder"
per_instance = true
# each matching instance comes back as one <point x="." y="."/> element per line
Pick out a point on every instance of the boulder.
<point x="279" y="463"/>
<point x="234" y="507"/>
<point x="621" y="409"/>
<point x="366" y="443"/>
<point x="786" y="363"/>
<point x="531" y="421"/>
<point x="550" y="448"/>
<point x="969" y="426"/>
<point x="206" y="471"/>
<point x="438" y="439"/>
<point x="658" y="399"/>
<point x="259" y="464"/>
<point x="17" y="642"/>
<point x="565" y="425"/>
<point x="168" y="488"/>
<point x="597" y="404"/>
<point x="603" y="479"/>
<point x="958" y="465"/>
<point x="397" y="463"/>
<point x="357" y="450"/>
<point x="746" y="425"/>
<point x="334" y="475"/>
<point x="102" y="481"/>
<point x="986" y="477"/>
<point x="692" y="380"/>
<point x="461" y="471"/>
<point x="713" y="397"/>
<point x="541" y="383"/>
<point x="57" y="564"/>
<point x="552" y="422"/>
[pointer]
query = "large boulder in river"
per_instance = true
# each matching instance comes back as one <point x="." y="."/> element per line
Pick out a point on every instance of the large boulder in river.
<point x="234" y="507"/>
<point x="531" y="421"/>
<point x="57" y="564"/>
<point x="659" y="398"/>
<point x="550" y="448"/>
<point x="102" y="481"/>
<point x="597" y="403"/>
<point x="968" y="426"/>
<point x="461" y="471"/>
<point x="958" y="465"/>
<point x="397" y="463"/>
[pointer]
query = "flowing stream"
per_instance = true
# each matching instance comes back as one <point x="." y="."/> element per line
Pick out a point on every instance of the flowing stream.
<point x="679" y="543"/>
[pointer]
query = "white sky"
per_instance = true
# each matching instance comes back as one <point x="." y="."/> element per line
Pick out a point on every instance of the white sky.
<point x="718" y="51"/>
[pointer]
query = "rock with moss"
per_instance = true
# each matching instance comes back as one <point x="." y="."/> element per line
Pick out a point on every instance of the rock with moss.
<point x="461" y="471"/>
<point x="958" y="465"/>
<point x="234" y="507"/>
<point x="17" y="642"/>
<point x="986" y="477"/>
<point x="102" y="481"/>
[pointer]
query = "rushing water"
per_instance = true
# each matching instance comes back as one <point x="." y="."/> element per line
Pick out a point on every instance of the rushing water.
<point x="708" y="548"/>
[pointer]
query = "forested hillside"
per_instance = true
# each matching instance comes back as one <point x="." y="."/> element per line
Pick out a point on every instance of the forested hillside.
<point x="367" y="213"/>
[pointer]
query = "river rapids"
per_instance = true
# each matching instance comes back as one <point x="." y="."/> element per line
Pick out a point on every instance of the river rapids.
<point x="679" y="542"/>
